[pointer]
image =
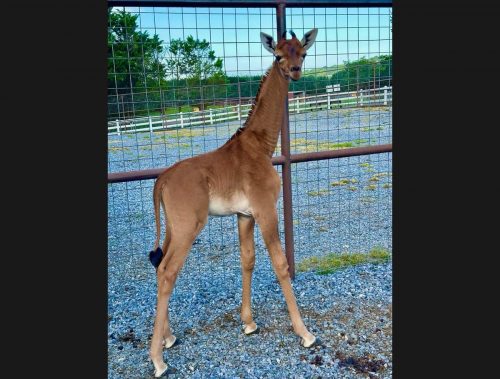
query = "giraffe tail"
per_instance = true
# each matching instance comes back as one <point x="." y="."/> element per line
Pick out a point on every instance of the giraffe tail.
<point x="156" y="255"/>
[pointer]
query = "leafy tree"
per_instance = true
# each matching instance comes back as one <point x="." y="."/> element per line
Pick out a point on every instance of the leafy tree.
<point x="193" y="59"/>
<point x="134" y="57"/>
<point x="365" y="73"/>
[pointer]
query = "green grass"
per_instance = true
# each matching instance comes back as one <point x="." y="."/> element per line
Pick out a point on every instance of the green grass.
<point x="368" y="129"/>
<point x="343" y="182"/>
<point x="321" y="192"/>
<point x="387" y="185"/>
<point x="371" y="187"/>
<point x="118" y="148"/>
<point x="309" y="145"/>
<point x="376" y="177"/>
<point x="333" y="261"/>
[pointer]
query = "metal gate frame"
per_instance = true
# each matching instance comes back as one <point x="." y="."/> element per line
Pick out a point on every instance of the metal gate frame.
<point x="285" y="159"/>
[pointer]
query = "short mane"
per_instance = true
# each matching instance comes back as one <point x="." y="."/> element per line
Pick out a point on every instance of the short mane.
<point x="241" y="129"/>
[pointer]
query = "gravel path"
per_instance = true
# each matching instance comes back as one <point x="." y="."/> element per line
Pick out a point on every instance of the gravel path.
<point x="350" y="310"/>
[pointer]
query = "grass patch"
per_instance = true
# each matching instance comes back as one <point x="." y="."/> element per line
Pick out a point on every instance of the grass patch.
<point x="162" y="136"/>
<point x="118" y="148"/>
<point x="319" y="218"/>
<point x="387" y="185"/>
<point x="343" y="182"/>
<point x="310" y="145"/>
<point x="333" y="261"/>
<point x="321" y="192"/>
<point x="370" y="129"/>
<point x="371" y="187"/>
<point x="379" y="108"/>
<point x="367" y="199"/>
<point x="352" y="188"/>
<point x="187" y="133"/>
<point x="376" y="177"/>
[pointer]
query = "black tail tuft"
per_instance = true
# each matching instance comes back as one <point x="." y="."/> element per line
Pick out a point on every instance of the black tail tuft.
<point x="155" y="257"/>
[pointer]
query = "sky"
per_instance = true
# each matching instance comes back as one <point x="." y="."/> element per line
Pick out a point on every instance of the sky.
<point x="345" y="34"/>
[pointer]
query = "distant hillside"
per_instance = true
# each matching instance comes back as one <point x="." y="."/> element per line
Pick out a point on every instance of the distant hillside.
<point x="324" y="71"/>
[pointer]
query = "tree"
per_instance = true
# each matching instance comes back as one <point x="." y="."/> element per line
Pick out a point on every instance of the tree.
<point x="365" y="73"/>
<point x="193" y="59"/>
<point x="134" y="57"/>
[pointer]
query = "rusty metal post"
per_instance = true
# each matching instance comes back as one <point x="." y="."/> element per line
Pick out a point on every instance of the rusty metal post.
<point x="286" y="167"/>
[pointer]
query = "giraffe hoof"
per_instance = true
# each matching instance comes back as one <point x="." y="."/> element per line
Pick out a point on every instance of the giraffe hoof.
<point x="170" y="342"/>
<point x="249" y="330"/>
<point x="310" y="343"/>
<point x="161" y="371"/>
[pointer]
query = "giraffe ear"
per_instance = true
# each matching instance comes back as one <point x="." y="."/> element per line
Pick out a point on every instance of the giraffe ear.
<point x="309" y="38"/>
<point x="268" y="42"/>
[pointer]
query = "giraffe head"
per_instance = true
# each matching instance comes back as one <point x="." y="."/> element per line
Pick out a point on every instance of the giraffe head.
<point x="289" y="53"/>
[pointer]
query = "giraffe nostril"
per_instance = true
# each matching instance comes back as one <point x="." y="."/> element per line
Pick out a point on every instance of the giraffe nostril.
<point x="296" y="68"/>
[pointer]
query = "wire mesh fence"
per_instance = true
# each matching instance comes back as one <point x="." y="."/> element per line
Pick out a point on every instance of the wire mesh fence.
<point x="339" y="205"/>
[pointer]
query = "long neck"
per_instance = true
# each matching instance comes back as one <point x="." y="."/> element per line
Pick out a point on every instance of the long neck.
<point x="264" y="123"/>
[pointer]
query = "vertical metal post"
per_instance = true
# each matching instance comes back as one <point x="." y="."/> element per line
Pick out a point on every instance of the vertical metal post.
<point x="150" y="124"/>
<point x="286" y="168"/>
<point x="211" y="117"/>
<point x="117" y="126"/>
<point x="385" y="95"/>
<point x="182" y="120"/>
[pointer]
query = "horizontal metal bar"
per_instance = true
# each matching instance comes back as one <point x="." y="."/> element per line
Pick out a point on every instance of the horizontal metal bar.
<point x="250" y="4"/>
<point x="128" y="176"/>
<point x="341" y="153"/>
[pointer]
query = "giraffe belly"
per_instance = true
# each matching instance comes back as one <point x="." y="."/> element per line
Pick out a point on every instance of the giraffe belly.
<point x="238" y="203"/>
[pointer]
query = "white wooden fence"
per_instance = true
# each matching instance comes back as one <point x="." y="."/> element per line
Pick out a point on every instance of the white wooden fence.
<point x="333" y="100"/>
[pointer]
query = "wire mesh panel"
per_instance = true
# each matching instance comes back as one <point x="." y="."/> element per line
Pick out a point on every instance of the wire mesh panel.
<point x="342" y="205"/>
<point x="160" y="113"/>
<point x="181" y="81"/>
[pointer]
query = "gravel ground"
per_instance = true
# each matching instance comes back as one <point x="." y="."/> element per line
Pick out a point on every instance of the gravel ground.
<point x="350" y="310"/>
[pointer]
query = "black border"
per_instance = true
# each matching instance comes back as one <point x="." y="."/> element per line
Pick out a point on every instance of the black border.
<point x="56" y="80"/>
<point x="445" y="80"/>
<point x="56" y="105"/>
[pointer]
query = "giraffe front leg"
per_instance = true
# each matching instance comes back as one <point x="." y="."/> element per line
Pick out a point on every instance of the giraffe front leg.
<point x="247" y="252"/>
<point x="268" y="223"/>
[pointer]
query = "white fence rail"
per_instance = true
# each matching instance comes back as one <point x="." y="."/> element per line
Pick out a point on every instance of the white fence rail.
<point x="361" y="98"/>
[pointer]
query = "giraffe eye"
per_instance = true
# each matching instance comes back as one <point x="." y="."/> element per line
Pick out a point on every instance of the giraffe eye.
<point x="278" y="57"/>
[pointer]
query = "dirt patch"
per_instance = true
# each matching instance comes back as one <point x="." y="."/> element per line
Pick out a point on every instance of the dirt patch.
<point x="365" y="364"/>
<point x="131" y="338"/>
